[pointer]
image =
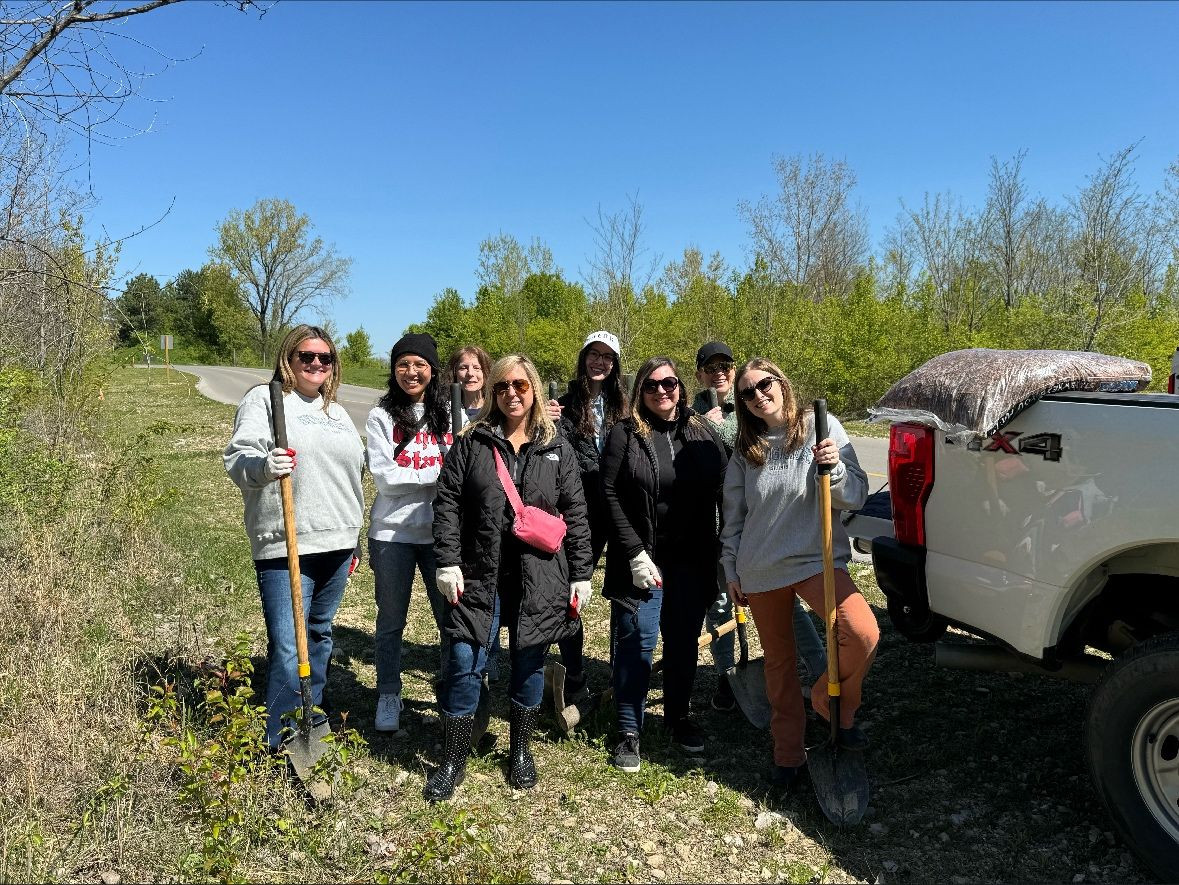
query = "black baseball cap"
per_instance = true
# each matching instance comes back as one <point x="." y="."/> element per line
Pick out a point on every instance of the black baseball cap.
<point x="711" y="349"/>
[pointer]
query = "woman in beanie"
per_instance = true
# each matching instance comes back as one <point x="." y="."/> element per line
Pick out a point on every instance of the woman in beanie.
<point x="408" y="434"/>
<point x="329" y="509"/>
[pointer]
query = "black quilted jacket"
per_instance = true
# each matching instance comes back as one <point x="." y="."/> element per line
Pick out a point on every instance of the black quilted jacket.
<point x="472" y="515"/>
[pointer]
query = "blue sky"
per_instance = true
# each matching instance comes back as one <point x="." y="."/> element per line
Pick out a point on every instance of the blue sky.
<point x="411" y="132"/>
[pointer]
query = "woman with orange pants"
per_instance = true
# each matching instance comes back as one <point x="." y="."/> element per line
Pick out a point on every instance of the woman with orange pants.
<point x="772" y="553"/>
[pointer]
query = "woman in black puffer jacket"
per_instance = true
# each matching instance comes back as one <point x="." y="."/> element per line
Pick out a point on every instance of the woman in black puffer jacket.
<point x="480" y="559"/>
<point x="662" y="474"/>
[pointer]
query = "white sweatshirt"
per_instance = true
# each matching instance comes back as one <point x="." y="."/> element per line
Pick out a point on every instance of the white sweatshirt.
<point x="403" y="510"/>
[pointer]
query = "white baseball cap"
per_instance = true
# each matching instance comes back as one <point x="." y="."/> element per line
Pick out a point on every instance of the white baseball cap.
<point x="603" y="337"/>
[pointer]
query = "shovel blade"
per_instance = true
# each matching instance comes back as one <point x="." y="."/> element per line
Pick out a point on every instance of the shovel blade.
<point x="749" y="688"/>
<point x="840" y="779"/>
<point x="303" y="751"/>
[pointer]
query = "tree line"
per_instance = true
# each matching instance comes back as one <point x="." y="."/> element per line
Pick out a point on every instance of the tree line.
<point x="1096" y="272"/>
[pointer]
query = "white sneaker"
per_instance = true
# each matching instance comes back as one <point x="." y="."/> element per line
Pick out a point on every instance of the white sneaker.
<point x="389" y="712"/>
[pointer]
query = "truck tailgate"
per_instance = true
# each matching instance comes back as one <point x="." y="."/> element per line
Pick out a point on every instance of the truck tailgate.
<point x="871" y="521"/>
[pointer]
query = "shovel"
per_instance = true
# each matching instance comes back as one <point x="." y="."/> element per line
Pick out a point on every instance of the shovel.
<point x="840" y="778"/>
<point x="748" y="680"/>
<point x="308" y="745"/>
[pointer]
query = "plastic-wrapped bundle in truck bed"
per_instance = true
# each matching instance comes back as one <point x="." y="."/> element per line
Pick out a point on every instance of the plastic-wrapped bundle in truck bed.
<point x="972" y="393"/>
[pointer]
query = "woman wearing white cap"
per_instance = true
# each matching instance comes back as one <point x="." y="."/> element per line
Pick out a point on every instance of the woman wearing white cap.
<point x="595" y="403"/>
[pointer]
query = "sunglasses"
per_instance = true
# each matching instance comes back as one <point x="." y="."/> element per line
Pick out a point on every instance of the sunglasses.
<point x="520" y="385"/>
<point x="763" y="385"/>
<point x="713" y="368"/>
<point x="668" y="385"/>
<point x="307" y="357"/>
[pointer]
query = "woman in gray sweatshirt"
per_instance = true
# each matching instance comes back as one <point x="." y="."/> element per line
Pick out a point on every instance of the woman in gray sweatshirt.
<point x="329" y="504"/>
<point x="772" y="552"/>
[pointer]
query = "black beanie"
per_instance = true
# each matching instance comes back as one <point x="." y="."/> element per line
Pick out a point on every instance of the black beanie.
<point x="421" y="345"/>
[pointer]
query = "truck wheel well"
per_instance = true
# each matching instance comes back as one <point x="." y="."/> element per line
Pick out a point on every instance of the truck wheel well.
<point x="1130" y="609"/>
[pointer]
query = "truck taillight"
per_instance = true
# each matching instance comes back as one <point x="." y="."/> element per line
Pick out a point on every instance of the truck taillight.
<point x="910" y="477"/>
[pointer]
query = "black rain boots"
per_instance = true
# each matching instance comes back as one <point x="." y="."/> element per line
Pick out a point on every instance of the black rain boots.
<point x="456" y="745"/>
<point x="523" y="767"/>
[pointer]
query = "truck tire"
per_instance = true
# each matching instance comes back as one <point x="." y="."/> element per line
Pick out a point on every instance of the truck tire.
<point x="1132" y="746"/>
<point x="914" y="621"/>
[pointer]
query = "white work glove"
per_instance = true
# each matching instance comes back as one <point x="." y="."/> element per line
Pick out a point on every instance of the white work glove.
<point x="279" y="463"/>
<point x="579" y="595"/>
<point x="450" y="582"/>
<point x="643" y="573"/>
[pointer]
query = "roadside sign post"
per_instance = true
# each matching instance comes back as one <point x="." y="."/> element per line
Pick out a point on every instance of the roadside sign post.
<point x="166" y="345"/>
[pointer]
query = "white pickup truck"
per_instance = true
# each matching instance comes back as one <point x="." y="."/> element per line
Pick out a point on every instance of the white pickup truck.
<point x="1055" y="538"/>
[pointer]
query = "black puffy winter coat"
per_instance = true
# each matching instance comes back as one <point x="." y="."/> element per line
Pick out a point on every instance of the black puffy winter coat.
<point x="472" y="528"/>
<point x="630" y="484"/>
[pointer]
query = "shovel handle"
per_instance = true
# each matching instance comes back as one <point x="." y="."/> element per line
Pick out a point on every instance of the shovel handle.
<point x="713" y="399"/>
<point x="456" y="407"/>
<point x="824" y="482"/>
<point x="742" y="636"/>
<point x="279" y="426"/>
<point x="553" y="390"/>
<point x="705" y="638"/>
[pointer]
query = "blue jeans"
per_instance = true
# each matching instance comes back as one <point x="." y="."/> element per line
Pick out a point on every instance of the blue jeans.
<point x="324" y="577"/>
<point x="393" y="567"/>
<point x="464" y="676"/>
<point x="633" y="638"/>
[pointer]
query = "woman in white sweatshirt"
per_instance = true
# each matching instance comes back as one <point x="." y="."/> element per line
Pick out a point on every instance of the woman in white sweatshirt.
<point x="408" y="434"/>
<point x="329" y="507"/>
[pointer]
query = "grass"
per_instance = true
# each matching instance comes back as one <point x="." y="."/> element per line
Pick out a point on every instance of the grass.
<point x="976" y="777"/>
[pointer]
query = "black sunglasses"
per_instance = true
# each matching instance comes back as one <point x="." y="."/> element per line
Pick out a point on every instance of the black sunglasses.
<point x="520" y="384"/>
<point x="307" y="357"/>
<point x="763" y="385"/>
<point x="668" y="385"/>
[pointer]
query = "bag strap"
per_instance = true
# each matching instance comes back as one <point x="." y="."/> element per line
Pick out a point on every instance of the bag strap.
<point x="505" y="480"/>
<point x="408" y="438"/>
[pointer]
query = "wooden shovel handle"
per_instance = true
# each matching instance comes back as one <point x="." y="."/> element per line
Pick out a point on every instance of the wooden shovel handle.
<point x="705" y="638"/>
<point x="279" y="426"/>
<point x="824" y="482"/>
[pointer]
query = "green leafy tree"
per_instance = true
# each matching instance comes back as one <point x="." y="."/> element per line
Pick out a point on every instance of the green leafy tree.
<point x="282" y="268"/>
<point x="140" y="310"/>
<point x="357" y="349"/>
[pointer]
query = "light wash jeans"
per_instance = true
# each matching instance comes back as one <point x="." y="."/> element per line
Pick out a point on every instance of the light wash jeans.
<point x="393" y="566"/>
<point x="324" y="577"/>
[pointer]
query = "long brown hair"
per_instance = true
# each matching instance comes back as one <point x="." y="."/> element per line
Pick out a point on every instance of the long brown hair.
<point x="752" y="430"/>
<point x="613" y="397"/>
<point x="290" y="344"/>
<point x="538" y="424"/>
<point x="480" y="356"/>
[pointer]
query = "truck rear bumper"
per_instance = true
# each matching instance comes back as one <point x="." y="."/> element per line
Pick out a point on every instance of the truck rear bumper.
<point x="900" y="571"/>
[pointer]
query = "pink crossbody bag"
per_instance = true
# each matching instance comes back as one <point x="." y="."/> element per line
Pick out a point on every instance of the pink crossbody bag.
<point x="535" y="527"/>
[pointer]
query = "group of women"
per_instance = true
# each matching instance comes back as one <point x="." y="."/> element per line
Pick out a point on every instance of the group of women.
<point x="697" y="508"/>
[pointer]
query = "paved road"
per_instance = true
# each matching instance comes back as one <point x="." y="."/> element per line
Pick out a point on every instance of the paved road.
<point x="227" y="384"/>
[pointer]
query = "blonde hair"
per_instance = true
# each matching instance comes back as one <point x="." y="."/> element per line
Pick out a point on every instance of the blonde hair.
<point x="537" y="423"/>
<point x="752" y="431"/>
<point x="288" y="348"/>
